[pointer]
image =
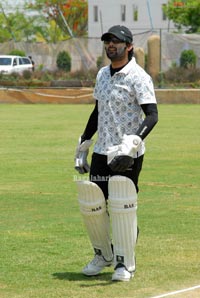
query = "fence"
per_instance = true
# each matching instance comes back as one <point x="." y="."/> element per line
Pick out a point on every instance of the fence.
<point x="85" y="51"/>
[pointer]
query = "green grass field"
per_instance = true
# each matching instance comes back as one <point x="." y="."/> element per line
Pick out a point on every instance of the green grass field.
<point x="43" y="243"/>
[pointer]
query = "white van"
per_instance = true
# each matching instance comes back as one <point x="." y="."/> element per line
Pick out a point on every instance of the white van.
<point x="10" y="63"/>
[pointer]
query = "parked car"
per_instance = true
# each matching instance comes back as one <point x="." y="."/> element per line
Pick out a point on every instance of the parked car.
<point x="11" y="63"/>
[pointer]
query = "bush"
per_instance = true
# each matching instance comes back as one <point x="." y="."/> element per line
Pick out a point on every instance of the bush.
<point x="83" y="74"/>
<point x="40" y="67"/>
<point x="99" y="62"/>
<point x="177" y="75"/>
<point x="27" y="74"/>
<point x="17" y="52"/>
<point x="188" y="59"/>
<point x="64" y="61"/>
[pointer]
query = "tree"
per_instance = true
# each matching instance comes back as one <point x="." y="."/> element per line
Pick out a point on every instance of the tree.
<point x="5" y="35"/>
<point x="185" y="13"/>
<point x="16" y="26"/>
<point x="32" y="27"/>
<point x="69" y="15"/>
<point x="76" y="13"/>
<point x="49" y="32"/>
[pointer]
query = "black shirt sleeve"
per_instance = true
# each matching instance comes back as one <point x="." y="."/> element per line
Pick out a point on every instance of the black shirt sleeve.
<point x="91" y="126"/>
<point x="151" y="113"/>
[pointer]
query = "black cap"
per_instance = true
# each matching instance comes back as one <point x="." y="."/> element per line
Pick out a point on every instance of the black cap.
<point x="121" y="32"/>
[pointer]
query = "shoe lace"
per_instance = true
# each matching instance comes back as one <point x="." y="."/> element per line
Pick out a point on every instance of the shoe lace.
<point x="96" y="260"/>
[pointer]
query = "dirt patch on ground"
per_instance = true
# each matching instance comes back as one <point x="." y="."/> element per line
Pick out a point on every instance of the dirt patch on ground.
<point x="79" y="95"/>
<point x="30" y="96"/>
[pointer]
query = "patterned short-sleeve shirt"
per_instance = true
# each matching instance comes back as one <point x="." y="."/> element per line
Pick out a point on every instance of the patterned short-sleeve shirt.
<point x="119" y="99"/>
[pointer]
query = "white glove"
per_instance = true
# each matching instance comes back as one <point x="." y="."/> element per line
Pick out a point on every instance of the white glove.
<point x="120" y="157"/>
<point x="82" y="150"/>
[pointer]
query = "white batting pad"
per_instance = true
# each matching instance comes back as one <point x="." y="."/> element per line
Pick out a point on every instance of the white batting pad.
<point x="122" y="207"/>
<point x="96" y="219"/>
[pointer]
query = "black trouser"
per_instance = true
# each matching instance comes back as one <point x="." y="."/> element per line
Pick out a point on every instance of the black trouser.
<point x="100" y="172"/>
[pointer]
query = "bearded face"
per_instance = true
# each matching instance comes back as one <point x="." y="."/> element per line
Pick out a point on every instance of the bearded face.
<point x="115" y="49"/>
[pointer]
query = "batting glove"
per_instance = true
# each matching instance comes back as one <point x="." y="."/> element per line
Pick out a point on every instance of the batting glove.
<point x="82" y="150"/>
<point x="120" y="157"/>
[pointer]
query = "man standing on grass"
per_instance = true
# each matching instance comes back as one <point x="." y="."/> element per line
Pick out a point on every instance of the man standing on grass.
<point x="123" y="93"/>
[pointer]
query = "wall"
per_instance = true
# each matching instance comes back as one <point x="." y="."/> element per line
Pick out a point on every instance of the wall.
<point x="85" y="51"/>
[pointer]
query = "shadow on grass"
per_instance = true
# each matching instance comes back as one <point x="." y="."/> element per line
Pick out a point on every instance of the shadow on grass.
<point x="74" y="276"/>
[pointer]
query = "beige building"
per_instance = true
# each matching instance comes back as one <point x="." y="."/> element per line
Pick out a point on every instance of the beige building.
<point x="138" y="15"/>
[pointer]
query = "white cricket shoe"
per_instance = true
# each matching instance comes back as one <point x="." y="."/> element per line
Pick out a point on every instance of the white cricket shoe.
<point x="121" y="274"/>
<point x="96" y="266"/>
